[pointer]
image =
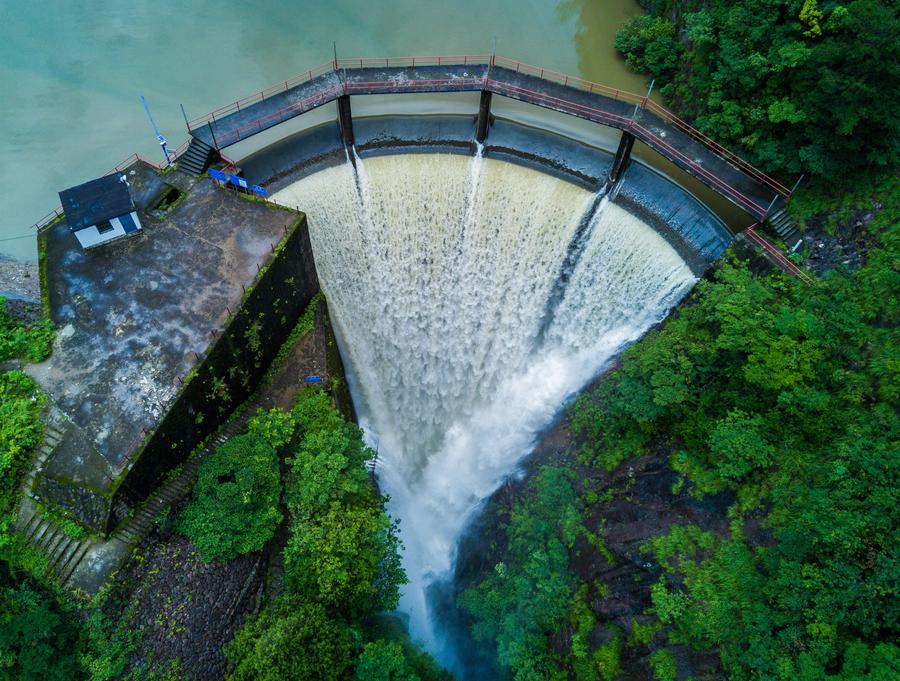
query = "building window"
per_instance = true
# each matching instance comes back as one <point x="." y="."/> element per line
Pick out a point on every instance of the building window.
<point x="104" y="227"/>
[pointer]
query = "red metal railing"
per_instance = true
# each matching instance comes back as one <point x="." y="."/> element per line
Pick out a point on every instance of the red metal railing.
<point x="642" y="133"/>
<point x="703" y="174"/>
<point x="568" y="81"/>
<point x="477" y="59"/>
<point x="718" y="149"/>
<point x="438" y="84"/>
<point x="644" y="102"/>
<point x="283" y="86"/>
<point x="776" y="254"/>
<point x="407" y="62"/>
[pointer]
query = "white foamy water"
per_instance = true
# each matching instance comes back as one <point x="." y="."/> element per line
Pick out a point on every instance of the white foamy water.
<point x="438" y="270"/>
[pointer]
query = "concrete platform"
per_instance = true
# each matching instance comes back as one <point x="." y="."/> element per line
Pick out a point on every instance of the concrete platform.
<point x="133" y="318"/>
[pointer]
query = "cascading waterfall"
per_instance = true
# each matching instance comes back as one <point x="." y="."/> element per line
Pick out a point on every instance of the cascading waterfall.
<point x="439" y="272"/>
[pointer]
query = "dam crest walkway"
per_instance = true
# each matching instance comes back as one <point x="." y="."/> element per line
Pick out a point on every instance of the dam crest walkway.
<point x="719" y="169"/>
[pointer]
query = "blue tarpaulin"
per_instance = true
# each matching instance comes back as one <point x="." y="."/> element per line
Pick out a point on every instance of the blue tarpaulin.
<point x="217" y="175"/>
<point x="313" y="379"/>
<point x="259" y="191"/>
<point x="238" y="181"/>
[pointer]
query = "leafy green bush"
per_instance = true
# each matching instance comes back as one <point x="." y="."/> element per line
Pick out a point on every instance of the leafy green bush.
<point x="383" y="661"/>
<point x="38" y="641"/>
<point x="293" y="639"/>
<point x="649" y="45"/>
<point x="21" y="431"/>
<point x="276" y="427"/>
<point x="527" y="598"/>
<point x="663" y="665"/>
<point x="235" y="505"/>
<point x="343" y="547"/>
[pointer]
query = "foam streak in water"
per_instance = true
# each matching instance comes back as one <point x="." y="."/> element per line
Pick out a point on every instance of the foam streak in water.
<point x="439" y="271"/>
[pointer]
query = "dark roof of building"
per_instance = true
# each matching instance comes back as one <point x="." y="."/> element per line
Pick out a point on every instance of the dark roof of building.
<point x="95" y="201"/>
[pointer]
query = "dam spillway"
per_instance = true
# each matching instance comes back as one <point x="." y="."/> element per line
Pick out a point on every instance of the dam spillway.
<point x="439" y="271"/>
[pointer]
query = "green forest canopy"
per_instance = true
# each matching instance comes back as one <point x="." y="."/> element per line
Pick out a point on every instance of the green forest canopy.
<point x="799" y="85"/>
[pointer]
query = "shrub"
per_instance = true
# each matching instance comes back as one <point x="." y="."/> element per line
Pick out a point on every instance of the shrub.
<point x="290" y="640"/>
<point x="235" y="506"/>
<point x="274" y="426"/>
<point x="383" y="661"/>
<point x="32" y="342"/>
<point x="37" y="639"/>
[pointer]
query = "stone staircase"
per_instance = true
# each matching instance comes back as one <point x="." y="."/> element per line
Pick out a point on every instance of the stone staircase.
<point x="786" y="228"/>
<point x="196" y="159"/>
<point x="63" y="552"/>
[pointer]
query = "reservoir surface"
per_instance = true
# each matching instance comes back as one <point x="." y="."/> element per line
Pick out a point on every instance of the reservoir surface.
<point x="72" y="72"/>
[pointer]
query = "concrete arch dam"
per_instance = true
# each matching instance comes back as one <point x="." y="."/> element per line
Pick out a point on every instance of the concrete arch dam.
<point x="472" y="294"/>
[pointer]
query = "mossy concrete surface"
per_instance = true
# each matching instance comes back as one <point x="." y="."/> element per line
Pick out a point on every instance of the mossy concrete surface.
<point x="133" y="318"/>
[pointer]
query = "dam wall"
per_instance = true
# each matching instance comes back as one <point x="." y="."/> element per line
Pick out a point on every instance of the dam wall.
<point x="695" y="232"/>
<point x="665" y="134"/>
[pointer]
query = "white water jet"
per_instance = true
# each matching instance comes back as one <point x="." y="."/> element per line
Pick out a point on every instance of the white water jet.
<point x="438" y="270"/>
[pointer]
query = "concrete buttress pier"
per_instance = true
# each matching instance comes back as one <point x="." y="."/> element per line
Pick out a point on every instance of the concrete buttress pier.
<point x="484" y="117"/>
<point x="345" y="119"/>
<point x="622" y="159"/>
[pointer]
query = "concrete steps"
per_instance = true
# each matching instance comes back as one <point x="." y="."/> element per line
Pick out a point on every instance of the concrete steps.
<point x="65" y="553"/>
<point x="786" y="228"/>
<point x="42" y="533"/>
<point x="196" y="158"/>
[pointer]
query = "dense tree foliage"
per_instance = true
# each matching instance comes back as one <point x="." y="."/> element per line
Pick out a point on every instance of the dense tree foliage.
<point x="294" y="639"/>
<point x="236" y="497"/>
<point x="787" y="397"/>
<point x="38" y="640"/>
<point x="342" y="562"/>
<point x="799" y="85"/>
<point x="526" y="599"/>
<point x="343" y="546"/>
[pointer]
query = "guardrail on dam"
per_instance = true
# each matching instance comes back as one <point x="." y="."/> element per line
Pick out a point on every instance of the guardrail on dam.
<point x="636" y="115"/>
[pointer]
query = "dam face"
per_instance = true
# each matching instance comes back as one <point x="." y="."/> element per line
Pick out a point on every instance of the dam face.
<point x="465" y="322"/>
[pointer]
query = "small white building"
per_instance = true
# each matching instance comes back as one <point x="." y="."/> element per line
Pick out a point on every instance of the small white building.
<point x="100" y="211"/>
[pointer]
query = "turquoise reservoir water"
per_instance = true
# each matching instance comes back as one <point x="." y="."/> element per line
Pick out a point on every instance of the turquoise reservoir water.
<point x="71" y="72"/>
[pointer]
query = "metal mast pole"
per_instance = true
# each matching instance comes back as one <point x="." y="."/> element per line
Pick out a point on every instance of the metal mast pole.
<point x="159" y="137"/>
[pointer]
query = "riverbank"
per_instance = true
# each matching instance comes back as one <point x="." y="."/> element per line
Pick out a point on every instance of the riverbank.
<point x="19" y="280"/>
